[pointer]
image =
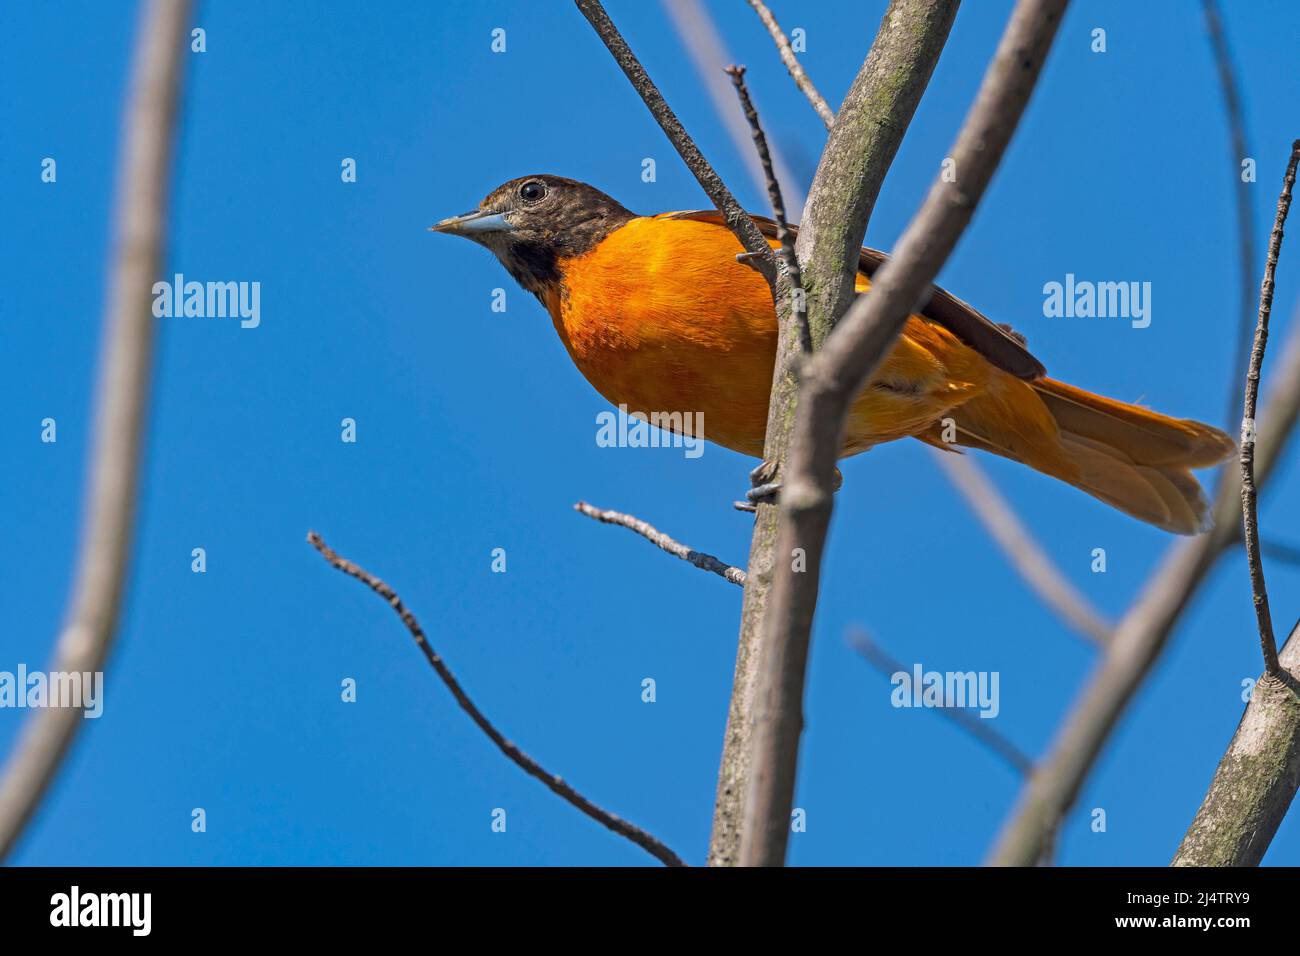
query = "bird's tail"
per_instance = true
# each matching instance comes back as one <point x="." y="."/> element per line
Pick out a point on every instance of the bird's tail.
<point x="1130" y="457"/>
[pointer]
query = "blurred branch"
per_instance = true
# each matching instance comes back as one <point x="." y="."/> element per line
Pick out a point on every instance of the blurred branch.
<point x="705" y="562"/>
<point x="620" y="826"/>
<point x="1249" y="498"/>
<point x="977" y="727"/>
<point x="1257" y="778"/>
<point x="1020" y="547"/>
<point x="1140" y="637"/>
<point x="861" y="147"/>
<point x="1280" y="551"/>
<point x="832" y="379"/>
<point x="791" y="62"/>
<point x="1241" y="194"/>
<point x="737" y="219"/>
<point x="121" y="403"/>
<point x="708" y="51"/>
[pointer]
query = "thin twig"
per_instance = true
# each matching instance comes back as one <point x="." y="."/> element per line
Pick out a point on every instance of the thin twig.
<point x="121" y="406"/>
<point x="738" y="221"/>
<point x="705" y="562"/>
<point x="530" y="766"/>
<point x="1140" y="637"/>
<point x="791" y="62"/>
<point x="698" y="33"/>
<point x="977" y="727"/>
<point x="1241" y="194"/>
<point x="1022" y="550"/>
<point x="798" y="305"/>
<point x="832" y="380"/>
<point x="1249" y="497"/>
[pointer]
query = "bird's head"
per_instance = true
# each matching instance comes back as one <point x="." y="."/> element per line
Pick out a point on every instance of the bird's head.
<point x="534" y="223"/>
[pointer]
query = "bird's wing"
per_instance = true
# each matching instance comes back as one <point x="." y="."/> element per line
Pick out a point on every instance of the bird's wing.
<point x="998" y="343"/>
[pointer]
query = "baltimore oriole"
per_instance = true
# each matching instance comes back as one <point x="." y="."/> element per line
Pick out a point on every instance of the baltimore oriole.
<point x="658" y="314"/>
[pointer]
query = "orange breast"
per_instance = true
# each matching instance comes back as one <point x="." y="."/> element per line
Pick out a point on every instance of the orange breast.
<point x="661" y="318"/>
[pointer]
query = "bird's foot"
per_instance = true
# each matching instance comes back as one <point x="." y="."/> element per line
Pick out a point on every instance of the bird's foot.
<point x="766" y="488"/>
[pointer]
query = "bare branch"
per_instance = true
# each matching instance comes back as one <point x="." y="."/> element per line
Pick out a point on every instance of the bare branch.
<point x="737" y="219"/>
<point x="1249" y="498"/>
<point x="862" y="145"/>
<point x="1138" y="640"/>
<point x="794" y="289"/>
<point x="977" y="727"/>
<point x="1020" y="547"/>
<point x="1241" y="194"/>
<point x="698" y="33"/>
<point x="530" y="766"/>
<point x="121" y="405"/>
<point x="833" y="378"/>
<point x="705" y="562"/>
<point x="987" y="503"/>
<point x="1257" y="778"/>
<point x="859" y="151"/>
<point x="791" y="62"/>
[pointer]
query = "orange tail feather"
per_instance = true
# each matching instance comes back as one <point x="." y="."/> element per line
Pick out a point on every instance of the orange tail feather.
<point x="1130" y="457"/>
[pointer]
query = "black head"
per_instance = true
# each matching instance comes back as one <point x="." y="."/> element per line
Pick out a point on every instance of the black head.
<point x="535" y="222"/>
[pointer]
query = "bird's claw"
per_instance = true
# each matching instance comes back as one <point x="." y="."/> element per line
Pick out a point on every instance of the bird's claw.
<point x="769" y="491"/>
<point x="766" y="487"/>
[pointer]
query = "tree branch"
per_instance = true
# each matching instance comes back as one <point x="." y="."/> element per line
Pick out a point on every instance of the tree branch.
<point x="977" y="727"/>
<point x="121" y="405"/>
<point x="1257" y="778"/>
<point x="833" y="378"/>
<point x="698" y="33"/>
<point x="1249" y="498"/>
<point x="705" y="562"/>
<point x="795" y="292"/>
<point x="866" y="137"/>
<point x="530" y="766"/>
<point x="1138" y="640"/>
<point x="1280" y="551"/>
<point x="737" y="219"/>
<point x="1022" y="550"/>
<point x="860" y="149"/>
<point x="791" y="62"/>
<point x="862" y="145"/>
<point x="989" y="506"/>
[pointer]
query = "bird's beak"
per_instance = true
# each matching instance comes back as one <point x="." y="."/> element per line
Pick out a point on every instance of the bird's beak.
<point x="473" y="222"/>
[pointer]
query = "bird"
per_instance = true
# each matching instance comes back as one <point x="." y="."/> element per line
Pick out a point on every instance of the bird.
<point x="662" y="312"/>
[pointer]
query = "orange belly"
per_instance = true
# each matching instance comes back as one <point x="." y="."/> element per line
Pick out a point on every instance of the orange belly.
<point x="660" y="317"/>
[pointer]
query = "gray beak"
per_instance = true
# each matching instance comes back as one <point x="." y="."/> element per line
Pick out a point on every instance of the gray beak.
<point x="473" y="222"/>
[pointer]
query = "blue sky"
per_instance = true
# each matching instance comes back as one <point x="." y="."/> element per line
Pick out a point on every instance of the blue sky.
<point x="475" y="432"/>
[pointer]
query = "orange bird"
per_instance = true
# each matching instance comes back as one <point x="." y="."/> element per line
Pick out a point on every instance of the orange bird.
<point x="659" y="315"/>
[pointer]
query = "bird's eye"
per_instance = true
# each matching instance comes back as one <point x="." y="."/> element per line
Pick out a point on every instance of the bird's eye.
<point x="532" y="191"/>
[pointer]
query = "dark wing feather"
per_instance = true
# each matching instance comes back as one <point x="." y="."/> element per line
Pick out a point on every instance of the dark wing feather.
<point x="1000" y="344"/>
